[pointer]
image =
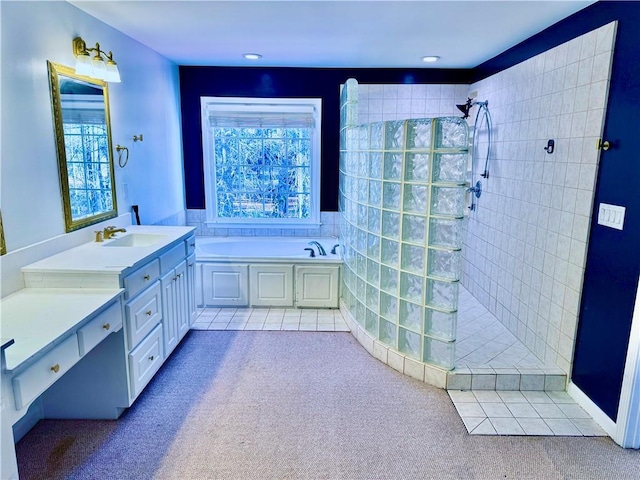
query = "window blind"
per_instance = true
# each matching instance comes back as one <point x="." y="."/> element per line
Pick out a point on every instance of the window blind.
<point x="260" y="116"/>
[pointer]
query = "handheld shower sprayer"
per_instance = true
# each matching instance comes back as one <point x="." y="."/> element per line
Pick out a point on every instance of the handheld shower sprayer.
<point x="482" y="116"/>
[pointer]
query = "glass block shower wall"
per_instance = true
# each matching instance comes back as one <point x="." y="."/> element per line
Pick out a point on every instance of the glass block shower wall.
<point x="402" y="201"/>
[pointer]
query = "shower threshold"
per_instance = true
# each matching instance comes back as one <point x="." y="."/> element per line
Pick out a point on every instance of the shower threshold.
<point x="490" y="357"/>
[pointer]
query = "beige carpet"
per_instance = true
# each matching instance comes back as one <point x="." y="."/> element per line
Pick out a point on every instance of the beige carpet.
<point x="263" y="405"/>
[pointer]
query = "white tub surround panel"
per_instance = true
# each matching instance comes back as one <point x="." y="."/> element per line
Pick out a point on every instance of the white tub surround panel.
<point x="267" y="272"/>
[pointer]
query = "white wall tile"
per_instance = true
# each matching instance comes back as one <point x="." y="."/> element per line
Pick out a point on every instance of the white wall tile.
<point x="542" y="201"/>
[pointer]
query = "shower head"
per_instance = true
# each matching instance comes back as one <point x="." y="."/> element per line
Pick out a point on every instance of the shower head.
<point x="465" y="107"/>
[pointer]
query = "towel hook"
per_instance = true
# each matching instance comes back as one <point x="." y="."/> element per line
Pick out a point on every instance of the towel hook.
<point x="120" y="149"/>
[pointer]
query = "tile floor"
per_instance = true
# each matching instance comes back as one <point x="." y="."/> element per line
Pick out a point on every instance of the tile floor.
<point x="523" y="413"/>
<point x="314" y="320"/>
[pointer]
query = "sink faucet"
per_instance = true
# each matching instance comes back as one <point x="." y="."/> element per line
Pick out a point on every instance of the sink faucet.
<point x="320" y="248"/>
<point x="110" y="231"/>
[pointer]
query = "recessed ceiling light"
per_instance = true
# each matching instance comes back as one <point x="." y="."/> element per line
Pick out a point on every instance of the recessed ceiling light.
<point x="252" y="56"/>
<point x="430" y="58"/>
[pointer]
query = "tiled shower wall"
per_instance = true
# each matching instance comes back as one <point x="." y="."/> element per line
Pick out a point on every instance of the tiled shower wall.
<point x="525" y="249"/>
<point x="380" y="103"/>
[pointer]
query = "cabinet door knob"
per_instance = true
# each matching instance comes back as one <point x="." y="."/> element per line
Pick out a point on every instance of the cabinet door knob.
<point x="149" y="313"/>
<point x="106" y="326"/>
<point x="147" y="277"/>
<point x="151" y="358"/>
<point x="55" y="368"/>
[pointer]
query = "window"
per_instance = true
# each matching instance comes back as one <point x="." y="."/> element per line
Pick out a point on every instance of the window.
<point x="261" y="161"/>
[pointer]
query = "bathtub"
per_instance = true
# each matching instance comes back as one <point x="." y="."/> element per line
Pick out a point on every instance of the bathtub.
<point x="266" y="272"/>
<point x="263" y="249"/>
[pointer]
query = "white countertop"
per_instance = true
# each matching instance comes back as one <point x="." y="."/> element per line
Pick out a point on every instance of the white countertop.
<point x="98" y="258"/>
<point x="39" y="318"/>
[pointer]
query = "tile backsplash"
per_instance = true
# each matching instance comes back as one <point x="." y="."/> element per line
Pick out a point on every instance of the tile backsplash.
<point x="328" y="228"/>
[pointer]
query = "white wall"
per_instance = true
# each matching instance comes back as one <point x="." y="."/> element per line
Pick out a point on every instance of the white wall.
<point x="147" y="102"/>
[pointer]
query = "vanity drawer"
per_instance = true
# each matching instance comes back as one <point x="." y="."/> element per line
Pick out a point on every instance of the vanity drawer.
<point x="145" y="360"/>
<point x="190" y="245"/>
<point x="172" y="258"/>
<point x="42" y="374"/>
<point x="141" y="278"/>
<point x="142" y="314"/>
<point x="97" y="329"/>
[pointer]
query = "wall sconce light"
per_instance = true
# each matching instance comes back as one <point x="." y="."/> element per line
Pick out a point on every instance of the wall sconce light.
<point x="96" y="67"/>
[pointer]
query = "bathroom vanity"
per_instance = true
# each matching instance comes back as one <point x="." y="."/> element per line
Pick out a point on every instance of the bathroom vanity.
<point x="91" y="328"/>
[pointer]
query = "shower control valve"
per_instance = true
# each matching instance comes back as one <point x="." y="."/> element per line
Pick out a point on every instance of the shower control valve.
<point x="477" y="190"/>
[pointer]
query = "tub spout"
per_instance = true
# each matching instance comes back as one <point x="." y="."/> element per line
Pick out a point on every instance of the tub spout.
<point x="320" y="248"/>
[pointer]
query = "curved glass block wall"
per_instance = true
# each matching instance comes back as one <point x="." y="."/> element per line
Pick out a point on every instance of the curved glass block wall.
<point x="402" y="201"/>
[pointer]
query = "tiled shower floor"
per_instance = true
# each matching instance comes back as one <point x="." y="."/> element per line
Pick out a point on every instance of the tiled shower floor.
<point x="482" y="341"/>
<point x="489" y="357"/>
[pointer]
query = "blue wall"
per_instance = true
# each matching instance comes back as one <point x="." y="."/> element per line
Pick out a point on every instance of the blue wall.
<point x="613" y="258"/>
<point x="284" y="82"/>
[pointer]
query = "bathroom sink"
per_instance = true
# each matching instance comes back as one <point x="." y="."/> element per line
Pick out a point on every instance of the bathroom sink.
<point x="135" y="240"/>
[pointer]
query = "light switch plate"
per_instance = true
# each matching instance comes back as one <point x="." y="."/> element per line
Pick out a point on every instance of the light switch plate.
<point x="611" y="216"/>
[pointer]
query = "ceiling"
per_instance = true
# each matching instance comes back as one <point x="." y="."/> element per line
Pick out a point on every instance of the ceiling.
<point x="331" y="33"/>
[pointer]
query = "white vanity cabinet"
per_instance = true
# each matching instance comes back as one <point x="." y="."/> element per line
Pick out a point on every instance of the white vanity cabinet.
<point x="156" y="315"/>
<point x="192" y="306"/>
<point x="143" y="329"/>
<point x="175" y="305"/>
<point x="86" y="334"/>
<point x="159" y="316"/>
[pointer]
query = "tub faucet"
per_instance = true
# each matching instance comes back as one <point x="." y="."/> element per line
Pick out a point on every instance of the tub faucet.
<point x="110" y="231"/>
<point x="320" y="248"/>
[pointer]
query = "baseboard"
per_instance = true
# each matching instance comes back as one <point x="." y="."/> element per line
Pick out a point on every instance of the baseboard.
<point x="28" y="421"/>
<point x="592" y="409"/>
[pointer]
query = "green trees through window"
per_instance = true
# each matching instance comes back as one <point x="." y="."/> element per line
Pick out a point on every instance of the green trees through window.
<point x="262" y="172"/>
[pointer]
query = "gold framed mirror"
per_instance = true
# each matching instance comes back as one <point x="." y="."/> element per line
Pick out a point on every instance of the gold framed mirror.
<point x="82" y="129"/>
<point x="3" y="246"/>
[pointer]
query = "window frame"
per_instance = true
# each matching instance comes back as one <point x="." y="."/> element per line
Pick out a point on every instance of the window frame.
<point x="208" y="149"/>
